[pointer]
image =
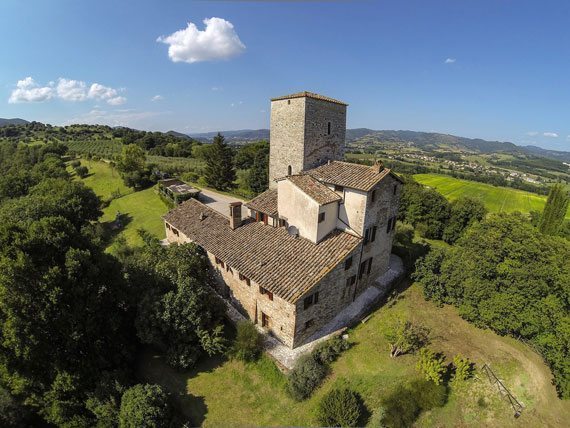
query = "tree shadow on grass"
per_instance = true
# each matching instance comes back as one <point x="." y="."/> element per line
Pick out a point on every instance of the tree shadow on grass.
<point x="152" y="367"/>
<point x="113" y="228"/>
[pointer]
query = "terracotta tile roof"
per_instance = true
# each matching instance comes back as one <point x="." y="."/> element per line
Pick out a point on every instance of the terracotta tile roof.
<point x="282" y="264"/>
<point x="309" y="95"/>
<point x="265" y="203"/>
<point x="353" y="175"/>
<point x="315" y="190"/>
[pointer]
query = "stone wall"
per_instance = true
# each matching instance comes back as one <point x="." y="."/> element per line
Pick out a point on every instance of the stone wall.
<point x="334" y="296"/>
<point x="320" y="146"/>
<point x="300" y="138"/>
<point x="287" y="136"/>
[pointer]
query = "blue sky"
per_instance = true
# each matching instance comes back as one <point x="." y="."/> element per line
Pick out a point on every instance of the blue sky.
<point x="495" y="69"/>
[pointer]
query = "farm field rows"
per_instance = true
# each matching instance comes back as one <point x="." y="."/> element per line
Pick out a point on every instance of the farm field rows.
<point x="496" y="199"/>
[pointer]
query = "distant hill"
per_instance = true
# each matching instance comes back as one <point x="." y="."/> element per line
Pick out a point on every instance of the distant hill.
<point x="15" y="121"/>
<point x="424" y="140"/>
<point x="179" y="135"/>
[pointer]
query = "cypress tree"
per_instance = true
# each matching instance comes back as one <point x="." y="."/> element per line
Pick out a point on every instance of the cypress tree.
<point x="258" y="178"/>
<point x="220" y="172"/>
<point x="554" y="210"/>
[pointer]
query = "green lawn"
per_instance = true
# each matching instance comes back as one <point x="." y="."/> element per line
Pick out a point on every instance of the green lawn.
<point x="103" y="179"/>
<point x="230" y="393"/>
<point x="496" y="199"/>
<point x="142" y="210"/>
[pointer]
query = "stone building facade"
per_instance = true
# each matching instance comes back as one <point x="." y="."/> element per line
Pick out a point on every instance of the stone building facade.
<point x="307" y="130"/>
<point x="314" y="241"/>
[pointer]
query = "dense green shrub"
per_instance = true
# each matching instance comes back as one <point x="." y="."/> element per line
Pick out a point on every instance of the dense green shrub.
<point x="306" y="377"/>
<point x="144" y="406"/>
<point x="75" y="163"/>
<point x="463" y="368"/>
<point x="248" y="343"/>
<point x="329" y="351"/>
<point x="432" y="365"/>
<point x="339" y="408"/>
<point x="81" y="171"/>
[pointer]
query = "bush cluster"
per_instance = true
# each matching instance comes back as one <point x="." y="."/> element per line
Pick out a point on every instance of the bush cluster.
<point x="311" y="369"/>
<point x="339" y="408"/>
<point x="248" y="343"/>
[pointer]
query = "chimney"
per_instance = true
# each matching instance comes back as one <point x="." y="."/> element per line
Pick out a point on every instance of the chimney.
<point x="235" y="215"/>
<point x="378" y="167"/>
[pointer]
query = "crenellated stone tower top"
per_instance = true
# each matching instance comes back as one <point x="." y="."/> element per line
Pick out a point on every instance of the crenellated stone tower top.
<point x="307" y="130"/>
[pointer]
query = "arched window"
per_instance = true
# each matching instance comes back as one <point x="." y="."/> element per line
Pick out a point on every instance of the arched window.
<point x="289" y="170"/>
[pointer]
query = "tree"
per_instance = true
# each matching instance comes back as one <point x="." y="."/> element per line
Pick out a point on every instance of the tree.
<point x="339" y="408"/>
<point x="258" y="177"/>
<point x="63" y="317"/>
<point x="464" y="212"/>
<point x="505" y="275"/>
<point x="177" y="311"/>
<point x="554" y="211"/>
<point x="81" y="171"/>
<point x="145" y="406"/>
<point x="463" y="368"/>
<point x="404" y="336"/>
<point x="305" y="377"/>
<point x="220" y="172"/>
<point x="132" y="166"/>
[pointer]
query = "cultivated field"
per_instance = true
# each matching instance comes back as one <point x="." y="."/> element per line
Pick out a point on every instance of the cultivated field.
<point x="496" y="199"/>
<point x="229" y="393"/>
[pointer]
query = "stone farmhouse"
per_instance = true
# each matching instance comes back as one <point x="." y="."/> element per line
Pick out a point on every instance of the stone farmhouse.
<point x="314" y="241"/>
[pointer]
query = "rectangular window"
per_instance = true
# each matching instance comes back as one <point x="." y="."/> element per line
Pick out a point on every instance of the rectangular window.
<point x="394" y="222"/>
<point x="264" y="320"/>
<point x="389" y="225"/>
<point x="366" y="236"/>
<point x="321" y="217"/>
<point x="369" y="266"/>
<point x="362" y="269"/>
<point x="348" y="263"/>
<point x="309" y="323"/>
<point x="350" y="281"/>
<point x="266" y="292"/>
<point x="373" y="234"/>
<point x="373" y="196"/>
<point x="311" y="300"/>
<point x="329" y="128"/>
<point x="175" y="231"/>
<point x="229" y="269"/>
<point x="167" y="226"/>
<point x="395" y="188"/>
<point x="338" y="188"/>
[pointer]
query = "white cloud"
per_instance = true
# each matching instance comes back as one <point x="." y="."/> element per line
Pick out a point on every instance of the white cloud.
<point x="450" y="61"/>
<point x="116" y="101"/>
<point x="550" y="134"/>
<point x="532" y="133"/>
<point x="71" y="90"/>
<point x="28" y="91"/>
<point x="216" y="88"/>
<point x="157" y="98"/>
<point x="217" y="41"/>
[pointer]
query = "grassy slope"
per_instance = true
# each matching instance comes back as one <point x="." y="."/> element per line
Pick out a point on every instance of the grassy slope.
<point x="496" y="199"/>
<point x="143" y="209"/>
<point x="222" y="393"/>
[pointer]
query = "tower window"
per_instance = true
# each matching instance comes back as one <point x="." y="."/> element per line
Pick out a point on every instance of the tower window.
<point x="289" y="170"/>
<point x="321" y="217"/>
<point x="328" y="128"/>
<point x="288" y="101"/>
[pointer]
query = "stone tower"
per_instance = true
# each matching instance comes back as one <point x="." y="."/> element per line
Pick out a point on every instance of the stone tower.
<point x="307" y="130"/>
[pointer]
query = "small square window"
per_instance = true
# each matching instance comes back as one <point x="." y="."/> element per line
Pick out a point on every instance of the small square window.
<point x="350" y="280"/>
<point x="321" y="217"/>
<point x="348" y="263"/>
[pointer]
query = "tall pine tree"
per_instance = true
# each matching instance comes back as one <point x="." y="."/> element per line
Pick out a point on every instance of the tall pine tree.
<point x="258" y="178"/>
<point x="220" y="171"/>
<point x="554" y="211"/>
